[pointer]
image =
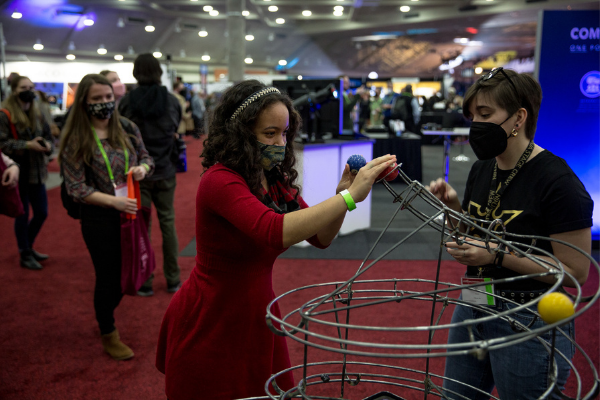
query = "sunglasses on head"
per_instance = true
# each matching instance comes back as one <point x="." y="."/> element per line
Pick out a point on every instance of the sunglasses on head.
<point x="495" y="72"/>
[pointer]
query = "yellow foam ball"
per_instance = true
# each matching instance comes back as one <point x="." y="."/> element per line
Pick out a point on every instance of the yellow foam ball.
<point x="554" y="307"/>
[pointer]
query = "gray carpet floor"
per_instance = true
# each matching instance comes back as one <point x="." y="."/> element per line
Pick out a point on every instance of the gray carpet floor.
<point x="424" y="245"/>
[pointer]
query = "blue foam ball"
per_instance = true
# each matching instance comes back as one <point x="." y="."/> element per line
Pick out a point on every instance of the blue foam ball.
<point x="356" y="162"/>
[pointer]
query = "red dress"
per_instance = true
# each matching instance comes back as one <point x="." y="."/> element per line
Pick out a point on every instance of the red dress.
<point x="214" y="342"/>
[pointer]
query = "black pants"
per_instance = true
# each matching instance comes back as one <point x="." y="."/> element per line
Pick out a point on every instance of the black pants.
<point x="101" y="229"/>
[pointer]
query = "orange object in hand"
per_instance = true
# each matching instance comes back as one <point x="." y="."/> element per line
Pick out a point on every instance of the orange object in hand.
<point x="133" y="192"/>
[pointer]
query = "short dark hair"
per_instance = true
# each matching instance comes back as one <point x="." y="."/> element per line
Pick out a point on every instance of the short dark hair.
<point x="105" y="72"/>
<point x="147" y="70"/>
<point x="233" y="142"/>
<point x="528" y="95"/>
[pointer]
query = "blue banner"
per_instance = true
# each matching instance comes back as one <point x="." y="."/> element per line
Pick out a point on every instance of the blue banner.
<point x="568" y="69"/>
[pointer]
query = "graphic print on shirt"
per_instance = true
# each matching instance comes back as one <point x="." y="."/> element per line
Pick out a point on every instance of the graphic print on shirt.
<point x="477" y="211"/>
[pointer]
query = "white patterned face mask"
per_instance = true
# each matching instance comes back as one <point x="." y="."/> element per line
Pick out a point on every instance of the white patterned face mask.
<point x="101" y="110"/>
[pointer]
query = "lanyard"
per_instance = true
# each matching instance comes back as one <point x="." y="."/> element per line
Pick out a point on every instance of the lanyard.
<point x="495" y="192"/>
<point x="107" y="162"/>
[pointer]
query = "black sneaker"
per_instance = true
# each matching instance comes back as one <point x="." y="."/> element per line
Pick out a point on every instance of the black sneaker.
<point x="39" y="256"/>
<point x="174" y="287"/>
<point x="145" y="292"/>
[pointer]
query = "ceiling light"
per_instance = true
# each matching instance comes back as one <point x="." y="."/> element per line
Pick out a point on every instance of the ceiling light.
<point x="207" y="8"/>
<point x="182" y="53"/>
<point x="71" y="46"/>
<point x="101" y="50"/>
<point x="249" y="37"/>
<point x="121" y="23"/>
<point x="203" y="32"/>
<point x="130" y="50"/>
<point x="307" y="13"/>
<point x="478" y="70"/>
<point x="461" y="40"/>
<point x="338" y="13"/>
<point x="213" y="13"/>
<point x="70" y="57"/>
<point x="280" y="21"/>
<point x="38" y="45"/>
<point x="205" y="57"/>
<point x="245" y="13"/>
<point x="299" y="77"/>
<point x="373" y="75"/>
<point x="282" y="62"/>
<point x="273" y="8"/>
<point x="118" y="57"/>
<point x="150" y="27"/>
<point x="16" y="15"/>
<point x="405" y="8"/>
<point x="248" y="60"/>
<point x="157" y="53"/>
<point x="267" y="0"/>
<point x="418" y="0"/>
<point x="88" y="22"/>
<point x="338" y="8"/>
<point x="193" y="0"/>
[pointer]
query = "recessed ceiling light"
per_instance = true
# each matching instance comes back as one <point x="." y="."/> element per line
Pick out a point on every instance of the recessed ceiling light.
<point x="249" y="37"/>
<point x="338" y="13"/>
<point x="16" y="15"/>
<point x="282" y="62"/>
<point x="213" y="13"/>
<point x="245" y="13"/>
<point x="405" y="8"/>
<point x="88" y="22"/>
<point x="70" y="57"/>
<point x="307" y="13"/>
<point x="205" y="57"/>
<point x="149" y="27"/>
<point x="373" y="75"/>
<point x="280" y="21"/>
<point x="118" y="57"/>
<point x="299" y="77"/>
<point x="157" y="53"/>
<point x="248" y="60"/>
<point x="478" y="70"/>
<point x="203" y="32"/>
<point x="338" y="8"/>
<point x="101" y="50"/>
<point x="273" y="8"/>
<point x="207" y="8"/>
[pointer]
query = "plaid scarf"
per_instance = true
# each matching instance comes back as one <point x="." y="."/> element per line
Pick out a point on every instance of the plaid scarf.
<point x="279" y="197"/>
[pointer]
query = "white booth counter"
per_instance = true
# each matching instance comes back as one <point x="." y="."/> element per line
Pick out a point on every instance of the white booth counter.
<point x="320" y="167"/>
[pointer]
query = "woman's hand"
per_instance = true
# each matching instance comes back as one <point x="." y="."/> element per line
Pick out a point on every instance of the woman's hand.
<point x="38" y="144"/>
<point x="346" y="180"/>
<point x="363" y="181"/>
<point x="125" y="204"/>
<point x="443" y="191"/>
<point x="10" y="177"/>
<point x="138" y="172"/>
<point x="468" y="254"/>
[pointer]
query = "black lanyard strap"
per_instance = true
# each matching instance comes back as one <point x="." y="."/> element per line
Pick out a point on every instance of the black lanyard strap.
<point x="495" y="191"/>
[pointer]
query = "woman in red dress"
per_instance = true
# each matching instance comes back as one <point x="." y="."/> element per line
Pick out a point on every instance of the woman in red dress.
<point x="214" y="342"/>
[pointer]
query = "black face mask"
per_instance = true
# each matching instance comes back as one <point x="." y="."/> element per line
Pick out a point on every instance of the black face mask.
<point x="27" y="96"/>
<point x="101" y="110"/>
<point x="488" y="140"/>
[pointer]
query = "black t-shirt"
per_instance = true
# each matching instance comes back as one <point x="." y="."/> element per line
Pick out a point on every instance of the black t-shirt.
<point x="544" y="198"/>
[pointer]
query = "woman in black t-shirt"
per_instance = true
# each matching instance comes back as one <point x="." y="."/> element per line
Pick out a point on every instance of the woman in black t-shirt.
<point x="535" y="193"/>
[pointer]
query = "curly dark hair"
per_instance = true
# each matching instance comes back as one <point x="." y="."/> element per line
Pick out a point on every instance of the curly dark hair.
<point x="234" y="144"/>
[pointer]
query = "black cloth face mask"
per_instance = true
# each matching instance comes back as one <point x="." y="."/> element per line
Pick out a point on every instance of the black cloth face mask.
<point x="101" y="110"/>
<point x="27" y="96"/>
<point x="487" y="139"/>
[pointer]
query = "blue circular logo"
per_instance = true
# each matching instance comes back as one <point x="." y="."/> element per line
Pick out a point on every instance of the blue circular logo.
<point x="590" y="84"/>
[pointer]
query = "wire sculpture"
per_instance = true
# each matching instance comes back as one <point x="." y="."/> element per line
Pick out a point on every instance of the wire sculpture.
<point x="325" y="320"/>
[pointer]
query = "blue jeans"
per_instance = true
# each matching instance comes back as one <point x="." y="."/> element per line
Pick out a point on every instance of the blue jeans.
<point x="26" y="230"/>
<point x="519" y="371"/>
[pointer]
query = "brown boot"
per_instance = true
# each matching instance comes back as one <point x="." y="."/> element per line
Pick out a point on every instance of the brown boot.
<point x="115" y="348"/>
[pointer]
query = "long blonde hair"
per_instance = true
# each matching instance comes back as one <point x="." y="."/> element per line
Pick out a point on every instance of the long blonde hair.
<point x="21" y="118"/>
<point x="77" y="133"/>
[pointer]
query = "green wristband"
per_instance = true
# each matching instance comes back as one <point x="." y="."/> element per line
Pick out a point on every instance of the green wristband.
<point x="146" y="166"/>
<point x="348" y="199"/>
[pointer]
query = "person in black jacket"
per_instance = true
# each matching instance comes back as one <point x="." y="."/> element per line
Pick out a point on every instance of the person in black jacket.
<point x="157" y="113"/>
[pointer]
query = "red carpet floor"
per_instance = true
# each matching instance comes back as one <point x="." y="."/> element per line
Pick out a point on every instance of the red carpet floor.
<point x="49" y="341"/>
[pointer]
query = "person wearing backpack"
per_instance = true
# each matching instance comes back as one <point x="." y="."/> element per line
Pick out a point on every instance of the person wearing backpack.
<point x="406" y="108"/>
<point x="26" y="138"/>
<point x="98" y="149"/>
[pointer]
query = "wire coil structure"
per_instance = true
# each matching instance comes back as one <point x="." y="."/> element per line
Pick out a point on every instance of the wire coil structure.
<point x="336" y="312"/>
